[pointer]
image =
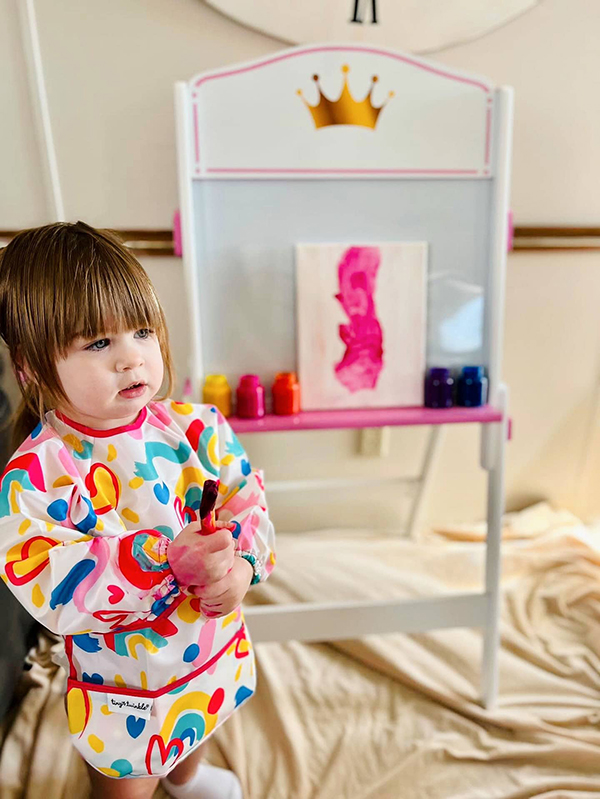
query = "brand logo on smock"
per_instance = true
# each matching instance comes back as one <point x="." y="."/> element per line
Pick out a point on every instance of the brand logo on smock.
<point x="130" y="706"/>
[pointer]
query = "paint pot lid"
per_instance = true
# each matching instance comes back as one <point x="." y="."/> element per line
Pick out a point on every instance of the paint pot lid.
<point x="439" y="372"/>
<point x="249" y="381"/>
<point x="289" y="378"/>
<point x="215" y="380"/>
<point x="474" y="372"/>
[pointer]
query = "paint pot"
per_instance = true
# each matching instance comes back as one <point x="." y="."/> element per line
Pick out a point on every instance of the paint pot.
<point x="250" y="398"/>
<point x="217" y="392"/>
<point x="472" y="387"/>
<point x="286" y="394"/>
<point x="439" y="387"/>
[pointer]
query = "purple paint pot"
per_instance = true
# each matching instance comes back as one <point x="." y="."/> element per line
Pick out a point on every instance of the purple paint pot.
<point x="439" y="387"/>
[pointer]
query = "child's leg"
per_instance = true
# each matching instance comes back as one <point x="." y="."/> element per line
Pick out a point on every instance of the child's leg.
<point x="187" y="768"/>
<point x="192" y="779"/>
<point x="104" y="787"/>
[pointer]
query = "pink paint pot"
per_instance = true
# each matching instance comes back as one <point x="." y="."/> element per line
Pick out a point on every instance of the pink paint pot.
<point x="250" y="397"/>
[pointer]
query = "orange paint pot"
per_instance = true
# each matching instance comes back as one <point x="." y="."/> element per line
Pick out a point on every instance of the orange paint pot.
<point x="286" y="394"/>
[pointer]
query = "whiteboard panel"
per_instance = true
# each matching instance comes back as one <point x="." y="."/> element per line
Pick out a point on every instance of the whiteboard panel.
<point x="247" y="231"/>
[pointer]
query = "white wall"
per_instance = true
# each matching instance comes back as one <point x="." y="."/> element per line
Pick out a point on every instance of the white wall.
<point x="110" y="70"/>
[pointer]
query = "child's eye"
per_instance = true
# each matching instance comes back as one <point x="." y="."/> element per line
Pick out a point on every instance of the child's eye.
<point x="144" y="332"/>
<point x="101" y="344"/>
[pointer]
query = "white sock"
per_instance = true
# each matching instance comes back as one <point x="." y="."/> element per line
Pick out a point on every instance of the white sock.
<point x="208" y="782"/>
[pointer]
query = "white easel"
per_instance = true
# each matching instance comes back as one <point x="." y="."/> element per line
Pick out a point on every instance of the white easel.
<point x="256" y="175"/>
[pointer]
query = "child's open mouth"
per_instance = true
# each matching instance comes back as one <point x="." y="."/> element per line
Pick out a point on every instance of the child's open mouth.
<point x="133" y="391"/>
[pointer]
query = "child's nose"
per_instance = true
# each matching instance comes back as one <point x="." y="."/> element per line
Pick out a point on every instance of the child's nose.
<point x="129" y="358"/>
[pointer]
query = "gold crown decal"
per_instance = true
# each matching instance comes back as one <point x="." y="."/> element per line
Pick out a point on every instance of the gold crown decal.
<point x="345" y="110"/>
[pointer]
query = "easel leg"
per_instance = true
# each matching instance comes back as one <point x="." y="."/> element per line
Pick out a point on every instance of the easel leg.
<point x="496" y="443"/>
<point x="425" y="478"/>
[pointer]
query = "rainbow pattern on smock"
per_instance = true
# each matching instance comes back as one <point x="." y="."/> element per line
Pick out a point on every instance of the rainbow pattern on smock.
<point x="86" y="518"/>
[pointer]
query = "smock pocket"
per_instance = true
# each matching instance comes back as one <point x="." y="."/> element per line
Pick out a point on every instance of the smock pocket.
<point x="125" y="732"/>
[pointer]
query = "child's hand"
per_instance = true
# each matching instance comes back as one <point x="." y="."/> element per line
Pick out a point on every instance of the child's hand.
<point x="201" y="559"/>
<point x="226" y="595"/>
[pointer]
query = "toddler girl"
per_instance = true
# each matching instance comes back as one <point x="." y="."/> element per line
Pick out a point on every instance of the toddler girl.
<point x="99" y="531"/>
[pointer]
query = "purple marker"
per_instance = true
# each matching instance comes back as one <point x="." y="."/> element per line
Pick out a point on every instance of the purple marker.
<point x="206" y="516"/>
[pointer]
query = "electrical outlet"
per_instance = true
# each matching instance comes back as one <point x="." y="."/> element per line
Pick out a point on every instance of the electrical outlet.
<point x="375" y="442"/>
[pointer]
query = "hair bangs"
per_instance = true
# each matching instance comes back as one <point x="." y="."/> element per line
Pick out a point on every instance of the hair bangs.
<point x="114" y="295"/>
<point x="115" y="300"/>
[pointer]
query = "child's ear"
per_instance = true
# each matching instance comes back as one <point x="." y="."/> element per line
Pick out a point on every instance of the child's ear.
<point x="22" y="370"/>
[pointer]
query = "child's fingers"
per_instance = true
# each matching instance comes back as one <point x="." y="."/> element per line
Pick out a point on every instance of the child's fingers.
<point x="218" y="541"/>
<point x="210" y="593"/>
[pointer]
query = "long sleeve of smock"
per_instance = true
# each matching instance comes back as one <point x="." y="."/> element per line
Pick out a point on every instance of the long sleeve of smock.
<point x="69" y="576"/>
<point x="241" y="491"/>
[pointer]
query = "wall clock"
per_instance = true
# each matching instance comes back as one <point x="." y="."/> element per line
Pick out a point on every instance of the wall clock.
<point x="416" y="26"/>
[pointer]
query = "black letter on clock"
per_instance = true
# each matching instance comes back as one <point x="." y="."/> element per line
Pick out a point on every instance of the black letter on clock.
<point x="356" y="18"/>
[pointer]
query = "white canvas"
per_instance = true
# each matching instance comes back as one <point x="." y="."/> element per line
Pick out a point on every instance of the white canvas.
<point x="361" y="331"/>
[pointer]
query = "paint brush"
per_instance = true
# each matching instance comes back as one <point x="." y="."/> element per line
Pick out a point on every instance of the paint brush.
<point x="210" y="492"/>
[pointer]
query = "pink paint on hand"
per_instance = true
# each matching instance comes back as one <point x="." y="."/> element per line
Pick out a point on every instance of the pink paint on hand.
<point x="363" y="360"/>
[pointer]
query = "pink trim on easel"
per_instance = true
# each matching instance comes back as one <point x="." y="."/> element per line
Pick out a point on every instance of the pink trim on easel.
<point x="366" y="171"/>
<point x="177" y="245"/>
<point x="488" y="127"/>
<point x="337" y="48"/>
<point x="196" y="134"/>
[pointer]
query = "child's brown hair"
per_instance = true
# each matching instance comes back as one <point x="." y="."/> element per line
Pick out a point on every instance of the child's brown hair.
<point x="59" y="282"/>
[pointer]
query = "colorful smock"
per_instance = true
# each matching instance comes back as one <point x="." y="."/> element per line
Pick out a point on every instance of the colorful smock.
<point x="86" y="519"/>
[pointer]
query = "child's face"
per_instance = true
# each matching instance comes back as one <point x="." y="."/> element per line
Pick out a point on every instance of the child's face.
<point x="96" y="376"/>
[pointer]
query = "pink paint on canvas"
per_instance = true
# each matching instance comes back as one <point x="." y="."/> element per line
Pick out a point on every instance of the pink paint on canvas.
<point x="361" y="324"/>
<point x="363" y="360"/>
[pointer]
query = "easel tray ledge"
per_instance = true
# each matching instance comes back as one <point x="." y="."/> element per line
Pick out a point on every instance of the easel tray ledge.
<point x="356" y="418"/>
